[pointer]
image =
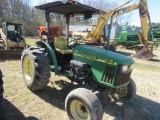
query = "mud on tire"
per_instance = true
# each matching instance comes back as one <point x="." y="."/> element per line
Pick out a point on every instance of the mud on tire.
<point x="35" y="68"/>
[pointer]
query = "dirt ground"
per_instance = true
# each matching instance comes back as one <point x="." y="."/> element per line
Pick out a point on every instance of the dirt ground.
<point x="48" y="104"/>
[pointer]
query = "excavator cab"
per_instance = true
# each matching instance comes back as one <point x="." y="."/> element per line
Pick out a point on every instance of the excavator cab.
<point x="12" y="31"/>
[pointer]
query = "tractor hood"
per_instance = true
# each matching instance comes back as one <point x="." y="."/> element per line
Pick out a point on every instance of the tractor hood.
<point x="88" y="54"/>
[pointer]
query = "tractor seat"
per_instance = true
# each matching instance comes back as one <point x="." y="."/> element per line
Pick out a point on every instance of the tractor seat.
<point x="60" y="45"/>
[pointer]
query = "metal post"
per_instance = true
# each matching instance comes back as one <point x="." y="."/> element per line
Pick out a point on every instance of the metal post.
<point x="67" y="30"/>
<point x="47" y="25"/>
<point x="109" y="30"/>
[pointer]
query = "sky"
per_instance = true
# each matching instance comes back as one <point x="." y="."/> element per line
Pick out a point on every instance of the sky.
<point x="153" y="6"/>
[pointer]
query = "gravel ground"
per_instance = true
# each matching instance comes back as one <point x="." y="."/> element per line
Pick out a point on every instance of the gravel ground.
<point x="146" y="104"/>
<point x="19" y="102"/>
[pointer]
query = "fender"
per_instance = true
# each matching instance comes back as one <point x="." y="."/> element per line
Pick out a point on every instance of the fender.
<point x="51" y="55"/>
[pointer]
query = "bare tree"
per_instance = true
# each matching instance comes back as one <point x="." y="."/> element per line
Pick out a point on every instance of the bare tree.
<point x="123" y="19"/>
<point x="21" y="11"/>
<point x="106" y="6"/>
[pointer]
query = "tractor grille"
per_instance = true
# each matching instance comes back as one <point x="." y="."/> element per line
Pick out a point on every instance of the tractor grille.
<point x="122" y="78"/>
<point x="108" y="74"/>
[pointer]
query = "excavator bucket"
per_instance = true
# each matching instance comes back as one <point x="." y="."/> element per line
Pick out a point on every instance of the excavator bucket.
<point x="143" y="52"/>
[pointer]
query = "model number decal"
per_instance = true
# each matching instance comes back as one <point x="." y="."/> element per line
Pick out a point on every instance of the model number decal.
<point x="96" y="59"/>
<point x="109" y="61"/>
<point x="89" y="56"/>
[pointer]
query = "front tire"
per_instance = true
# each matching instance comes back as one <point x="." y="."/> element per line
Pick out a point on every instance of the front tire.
<point x="126" y="93"/>
<point x="82" y="104"/>
<point x="35" y="68"/>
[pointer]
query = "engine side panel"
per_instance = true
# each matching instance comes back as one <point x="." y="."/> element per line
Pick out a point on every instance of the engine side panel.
<point x="103" y="63"/>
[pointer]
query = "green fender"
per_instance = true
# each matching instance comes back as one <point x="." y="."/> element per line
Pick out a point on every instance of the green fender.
<point x="51" y="55"/>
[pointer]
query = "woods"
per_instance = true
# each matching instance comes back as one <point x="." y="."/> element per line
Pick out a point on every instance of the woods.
<point x="21" y="11"/>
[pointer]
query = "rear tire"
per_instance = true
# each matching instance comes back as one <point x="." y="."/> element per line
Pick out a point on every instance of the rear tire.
<point x="35" y="68"/>
<point x="1" y="87"/>
<point x="82" y="104"/>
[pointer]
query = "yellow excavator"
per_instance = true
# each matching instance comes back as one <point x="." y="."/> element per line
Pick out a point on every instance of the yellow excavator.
<point x="145" y="50"/>
<point x="95" y="35"/>
<point x="11" y="40"/>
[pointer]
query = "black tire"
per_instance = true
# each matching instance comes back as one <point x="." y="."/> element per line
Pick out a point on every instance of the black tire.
<point x="90" y="107"/>
<point x="112" y="47"/>
<point x="31" y="118"/>
<point x="131" y="92"/>
<point x="1" y="87"/>
<point x="35" y="68"/>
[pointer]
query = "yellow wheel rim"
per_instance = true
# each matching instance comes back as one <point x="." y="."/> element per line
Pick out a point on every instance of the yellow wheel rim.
<point x="79" y="111"/>
<point x="122" y="92"/>
<point x="27" y="68"/>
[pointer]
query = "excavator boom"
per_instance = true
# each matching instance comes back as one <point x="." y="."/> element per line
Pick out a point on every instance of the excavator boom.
<point x="144" y="51"/>
<point x="107" y="16"/>
<point x="143" y="13"/>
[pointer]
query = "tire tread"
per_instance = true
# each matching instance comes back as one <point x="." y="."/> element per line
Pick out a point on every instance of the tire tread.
<point x="91" y="99"/>
<point x="42" y="67"/>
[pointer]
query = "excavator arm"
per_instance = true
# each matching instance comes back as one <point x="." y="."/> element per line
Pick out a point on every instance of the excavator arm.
<point x="144" y="16"/>
<point x="144" y="51"/>
<point x="107" y="16"/>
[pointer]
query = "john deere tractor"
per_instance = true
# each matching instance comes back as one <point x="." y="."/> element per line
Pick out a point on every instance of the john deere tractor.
<point x="94" y="69"/>
<point x="128" y="37"/>
<point x="155" y="32"/>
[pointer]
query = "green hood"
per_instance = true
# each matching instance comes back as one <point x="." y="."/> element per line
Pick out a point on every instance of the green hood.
<point x="89" y="54"/>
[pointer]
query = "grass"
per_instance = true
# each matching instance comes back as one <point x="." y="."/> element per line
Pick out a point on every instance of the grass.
<point x="145" y="67"/>
<point x="30" y="41"/>
<point x="44" y="104"/>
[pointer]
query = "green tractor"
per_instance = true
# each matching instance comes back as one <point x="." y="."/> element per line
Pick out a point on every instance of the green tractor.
<point x="155" y="32"/>
<point x="94" y="69"/>
<point x="128" y="37"/>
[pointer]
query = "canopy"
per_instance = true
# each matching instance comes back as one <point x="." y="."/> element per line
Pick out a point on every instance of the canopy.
<point x="68" y="8"/>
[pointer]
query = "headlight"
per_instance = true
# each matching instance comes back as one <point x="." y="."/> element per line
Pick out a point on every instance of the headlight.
<point x="127" y="67"/>
<point x="124" y="68"/>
